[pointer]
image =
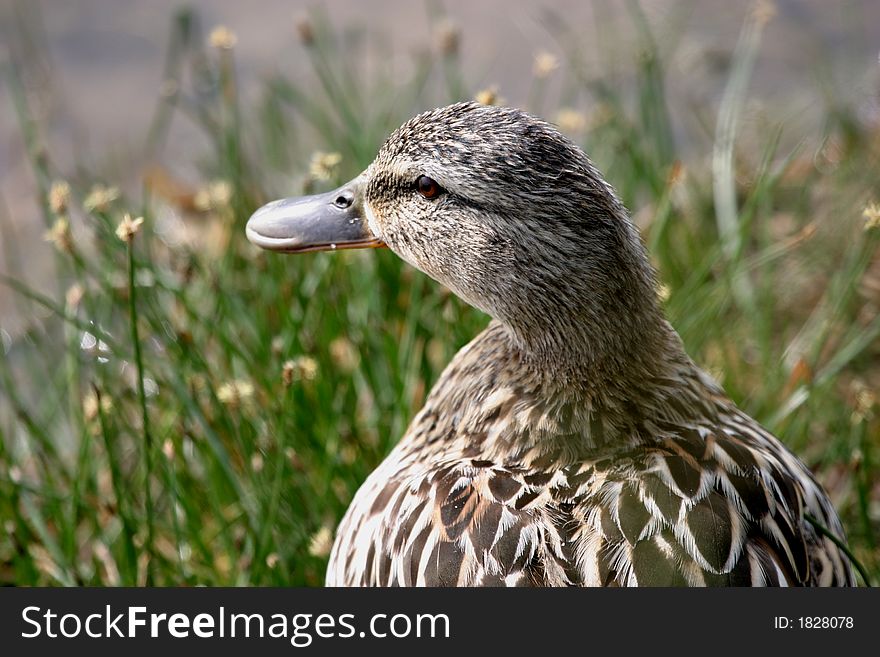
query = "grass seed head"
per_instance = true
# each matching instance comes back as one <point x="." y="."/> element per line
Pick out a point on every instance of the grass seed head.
<point x="301" y="368"/>
<point x="545" y="63"/>
<point x="60" y="236"/>
<point x="321" y="542"/>
<point x="100" y="198"/>
<point x="489" y="96"/>
<point x="305" y="30"/>
<point x="871" y="213"/>
<point x="59" y="197"/>
<point x="223" y="38"/>
<point x="571" y="120"/>
<point x="447" y="35"/>
<point x="324" y="165"/>
<point x="128" y="227"/>
<point x="234" y="394"/>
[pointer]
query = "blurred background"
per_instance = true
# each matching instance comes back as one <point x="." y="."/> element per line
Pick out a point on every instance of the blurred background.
<point x="92" y="68"/>
<point x="181" y="408"/>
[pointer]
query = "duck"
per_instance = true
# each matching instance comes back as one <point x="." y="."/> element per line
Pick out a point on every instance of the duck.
<point x="573" y="442"/>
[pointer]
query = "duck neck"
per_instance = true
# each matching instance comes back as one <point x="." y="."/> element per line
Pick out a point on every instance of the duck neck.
<point x="599" y="325"/>
<point x="505" y="402"/>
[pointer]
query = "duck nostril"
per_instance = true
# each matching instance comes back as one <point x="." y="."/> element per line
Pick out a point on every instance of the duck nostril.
<point x="344" y="200"/>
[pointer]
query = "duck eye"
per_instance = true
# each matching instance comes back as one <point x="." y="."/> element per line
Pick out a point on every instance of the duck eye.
<point x="428" y="187"/>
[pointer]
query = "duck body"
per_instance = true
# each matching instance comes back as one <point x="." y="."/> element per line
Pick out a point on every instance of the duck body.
<point x="573" y="442"/>
<point x="493" y="486"/>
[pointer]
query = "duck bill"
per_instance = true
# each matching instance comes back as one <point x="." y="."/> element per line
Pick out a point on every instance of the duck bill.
<point x="322" y="222"/>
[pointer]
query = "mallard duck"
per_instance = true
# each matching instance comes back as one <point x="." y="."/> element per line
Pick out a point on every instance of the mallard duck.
<point x="573" y="441"/>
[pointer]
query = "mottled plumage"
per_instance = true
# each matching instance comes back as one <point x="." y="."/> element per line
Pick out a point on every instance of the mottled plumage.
<point x="573" y="442"/>
<point x="493" y="485"/>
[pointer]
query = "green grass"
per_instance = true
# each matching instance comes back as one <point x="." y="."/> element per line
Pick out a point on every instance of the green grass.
<point x="204" y="412"/>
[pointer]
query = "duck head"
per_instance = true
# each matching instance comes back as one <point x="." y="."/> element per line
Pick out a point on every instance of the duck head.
<point x="507" y="213"/>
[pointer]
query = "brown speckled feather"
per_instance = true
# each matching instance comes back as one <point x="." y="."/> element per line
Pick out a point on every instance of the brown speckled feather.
<point x="707" y="501"/>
